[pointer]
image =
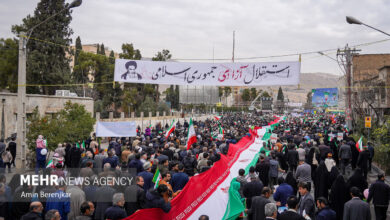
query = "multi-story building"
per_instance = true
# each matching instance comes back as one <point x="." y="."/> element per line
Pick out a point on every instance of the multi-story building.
<point x="92" y="48"/>
<point x="370" y="79"/>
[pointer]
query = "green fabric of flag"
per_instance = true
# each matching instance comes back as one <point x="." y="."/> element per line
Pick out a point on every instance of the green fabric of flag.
<point x="83" y="144"/>
<point x="156" y="178"/>
<point x="77" y="145"/>
<point x="235" y="204"/>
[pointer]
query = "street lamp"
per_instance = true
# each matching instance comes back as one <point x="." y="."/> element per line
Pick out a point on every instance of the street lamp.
<point x="21" y="116"/>
<point x="352" y="20"/>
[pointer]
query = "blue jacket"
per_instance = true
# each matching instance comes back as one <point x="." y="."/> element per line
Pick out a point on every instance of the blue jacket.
<point x="137" y="164"/>
<point x="178" y="181"/>
<point x="111" y="160"/>
<point x="326" y="214"/>
<point x="40" y="157"/>
<point x="282" y="193"/>
<point x="154" y="200"/>
<point x="59" y="201"/>
<point x="115" y="213"/>
<point x="148" y="177"/>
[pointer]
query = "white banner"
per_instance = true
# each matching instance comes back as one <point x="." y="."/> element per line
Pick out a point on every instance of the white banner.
<point x="116" y="129"/>
<point x="212" y="74"/>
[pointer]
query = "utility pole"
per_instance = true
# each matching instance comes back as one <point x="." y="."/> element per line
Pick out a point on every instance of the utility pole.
<point x="346" y="60"/>
<point x="21" y="115"/>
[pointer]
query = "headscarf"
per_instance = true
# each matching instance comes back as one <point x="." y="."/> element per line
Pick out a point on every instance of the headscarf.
<point x="40" y="142"/>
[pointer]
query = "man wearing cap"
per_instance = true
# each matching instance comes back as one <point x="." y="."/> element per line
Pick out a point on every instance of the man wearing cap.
<point x="362" y="161"/>
<point x="147" y="175"/>
<point x="380" y="193"/>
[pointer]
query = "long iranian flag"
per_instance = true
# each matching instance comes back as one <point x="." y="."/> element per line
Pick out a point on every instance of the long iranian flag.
<point x="359" y="144"/>
<point x="170" y="130"/>
<point x="191" y="137"/>
<point x="156" y="178"/>
<point x="213" y="192"/>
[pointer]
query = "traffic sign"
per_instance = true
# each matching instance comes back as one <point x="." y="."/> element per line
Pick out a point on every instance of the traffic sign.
<point x="368" y="119"/>
<point x="367" y="122"/>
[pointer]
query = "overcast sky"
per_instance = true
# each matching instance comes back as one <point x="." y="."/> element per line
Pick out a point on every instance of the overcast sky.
<point x="191" y="29"/>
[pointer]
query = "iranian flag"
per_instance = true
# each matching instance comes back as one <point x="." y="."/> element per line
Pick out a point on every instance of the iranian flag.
<point x="156" y="178"/>
<point x="359" y="144"/>
<point x="83" y="145"/>
<point x="50" y="164"/>
<point x="221" y="131"/>
<point x="170" y="130"/>
<point x="217" y="118"/>
<point x="77" y="145"/>
<point x="191" y="137"/>
<point x="217" y="196"/>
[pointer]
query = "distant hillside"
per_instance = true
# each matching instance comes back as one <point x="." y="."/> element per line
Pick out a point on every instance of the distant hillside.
<point x="307" y="82"/>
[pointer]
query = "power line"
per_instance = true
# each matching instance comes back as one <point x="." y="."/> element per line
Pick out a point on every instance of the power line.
<point x="238" y="58"/>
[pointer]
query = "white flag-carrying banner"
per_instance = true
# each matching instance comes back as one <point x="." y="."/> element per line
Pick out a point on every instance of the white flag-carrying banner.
<point x="212" y="74"/>
<point x="116" y="129"/>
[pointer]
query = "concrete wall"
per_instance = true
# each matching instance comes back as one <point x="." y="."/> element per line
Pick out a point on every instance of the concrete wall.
<point x="46" y="105"/>
<point x="144" y="122"/>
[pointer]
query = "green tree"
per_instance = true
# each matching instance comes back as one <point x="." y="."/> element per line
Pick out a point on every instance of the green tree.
<point x="9" y="64"/>
<point x="78" y="49"/>
<point x="163" y="55"/>
<point x="246" y="95"/>
<point x="149" y="105"/>
<point x="253" y="93"/>
<point x="112" y="57"/>
<point x="102" y="50"/>
<point x="280" y="96"/>
<point x="227" y="91"/>
<point x="97" y="49"/>
<point x="48" y="63"/>
<point x="382" y="142"/>
<point x="177" y="97"/>
<point x="265" y="94"/>
<point x="220" y="92"/>
<point x="128" y="52"/>
<point x="71" y="124"/>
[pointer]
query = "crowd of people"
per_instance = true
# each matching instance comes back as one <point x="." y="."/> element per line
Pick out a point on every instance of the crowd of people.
<point x="311" y="169"/>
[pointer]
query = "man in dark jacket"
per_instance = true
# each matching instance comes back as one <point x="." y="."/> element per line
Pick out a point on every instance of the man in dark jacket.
<point x="104" y="195"/>
<point x="345" y="156"/>
<point x="179" y="180"/>
<point x="147" y="175"/>
<point x="155" y="198"/>
<point x="380" y="193"/>
<point x="362" y="161"/>
<point x="306" y="204"/>
<point x="256" y="212"/>
<point x="252" y="189"/>
<point x="111" y="159"/>
<point x="136" y="163"/>
<point x="356" y="209"/>
<point x="116" y="212"/>
<point x="324" y="211"/>
<point x="135" y="196"/>
<point x="292" y="158"/>
<point x="35" y="213"/>
<point x="372" y="153"/>
<point x="189" y="163"/>
<point x="283" y="192"/>
<point x="263" y="169"/>
<point x="291" y="213"/>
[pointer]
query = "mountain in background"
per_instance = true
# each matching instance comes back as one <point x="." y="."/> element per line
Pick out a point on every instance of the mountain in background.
<point x="308" y="82"/>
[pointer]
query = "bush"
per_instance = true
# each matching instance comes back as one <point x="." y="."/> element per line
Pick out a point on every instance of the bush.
<point x="70" y="125"/>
